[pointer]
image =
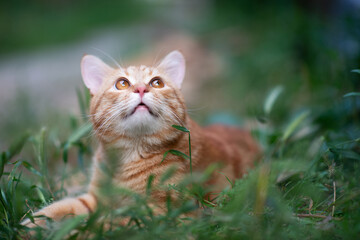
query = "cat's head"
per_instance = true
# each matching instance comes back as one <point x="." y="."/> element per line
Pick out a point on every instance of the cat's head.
<point x="137" y="100"/>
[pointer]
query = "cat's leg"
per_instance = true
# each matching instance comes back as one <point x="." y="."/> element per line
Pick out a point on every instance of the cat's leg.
<point x="83" y="204"/>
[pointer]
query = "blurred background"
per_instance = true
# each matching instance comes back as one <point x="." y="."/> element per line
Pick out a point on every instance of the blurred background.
<point x="236" y="51"/>
<point x="283" y="68"/>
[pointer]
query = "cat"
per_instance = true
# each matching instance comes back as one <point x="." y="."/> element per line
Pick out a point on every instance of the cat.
<point x="132" y="110"/>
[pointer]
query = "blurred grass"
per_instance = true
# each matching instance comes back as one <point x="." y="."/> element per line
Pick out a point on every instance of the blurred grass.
<point x="306" y="185"/>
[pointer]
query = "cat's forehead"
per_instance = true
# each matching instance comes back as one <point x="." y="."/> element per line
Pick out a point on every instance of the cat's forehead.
<point x="137" y="74"/>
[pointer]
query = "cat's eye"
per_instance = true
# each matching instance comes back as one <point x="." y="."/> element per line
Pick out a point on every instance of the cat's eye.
<point x="156" y="82"/>
<point x="122" y="84"/>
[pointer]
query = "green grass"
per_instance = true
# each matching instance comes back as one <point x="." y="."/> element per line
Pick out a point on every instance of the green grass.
<point x="305" y="186"/>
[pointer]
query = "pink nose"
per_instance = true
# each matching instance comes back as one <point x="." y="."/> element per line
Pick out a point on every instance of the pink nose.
<point x="141" y="90"/>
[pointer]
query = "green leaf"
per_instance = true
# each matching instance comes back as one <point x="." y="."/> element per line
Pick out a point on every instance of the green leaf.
<point x="17" y="146"/>
<point x="40" y="194"/>
<point x="3" y="161"/>
<point x="4" y="199"/>
<point x="181" y="128"/>
<point x="177" y="153"/>
<point x="352" y="94"/>
<point x="345" y="153"/>
<point x="271" y="98"/>
<point x="180" y="154"/>
<point x="79" y="133"/>
<point x="164" y="156"/>
<point x="29" y="167"/>
<point x="356" y="71"/>
<point x="66" y="228"/>
<point x="294" y="125"/>
<point x="231" y="182"/>
<point x="83" y="107"/>
<point x="39" y="143"/>
<point x="75" y="137"/>
<point x="149" y="183"/>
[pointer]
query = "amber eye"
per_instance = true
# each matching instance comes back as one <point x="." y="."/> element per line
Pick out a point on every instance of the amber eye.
<point x="122" y="84"/>
<point x="156" y="82"/>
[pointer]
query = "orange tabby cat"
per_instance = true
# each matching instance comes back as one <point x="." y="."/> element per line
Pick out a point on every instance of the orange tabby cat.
<point x="132" y="111"/>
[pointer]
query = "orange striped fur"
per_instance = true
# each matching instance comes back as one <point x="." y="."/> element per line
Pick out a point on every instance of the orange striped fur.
<point x="133" y="138"/>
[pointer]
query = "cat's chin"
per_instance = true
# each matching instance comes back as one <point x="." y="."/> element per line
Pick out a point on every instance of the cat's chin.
<point x="141" y="122"/>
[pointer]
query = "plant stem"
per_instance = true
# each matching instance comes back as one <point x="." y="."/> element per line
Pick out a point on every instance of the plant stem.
<point x="190" y="154"/>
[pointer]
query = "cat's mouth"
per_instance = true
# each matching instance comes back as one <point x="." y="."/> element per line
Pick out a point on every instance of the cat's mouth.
<point x="141" y="107"/>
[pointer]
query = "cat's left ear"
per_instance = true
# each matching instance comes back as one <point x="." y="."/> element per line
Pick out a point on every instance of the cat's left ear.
<point x="93" y="71"/>
<point x="174" y="67"/>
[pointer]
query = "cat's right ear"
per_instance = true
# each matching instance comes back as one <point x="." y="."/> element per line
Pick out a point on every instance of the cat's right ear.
<point x="93" y="71"/>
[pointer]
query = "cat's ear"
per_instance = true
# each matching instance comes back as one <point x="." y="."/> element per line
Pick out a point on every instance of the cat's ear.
<point x="174" y="67"/>
<point x="93" y="71"/>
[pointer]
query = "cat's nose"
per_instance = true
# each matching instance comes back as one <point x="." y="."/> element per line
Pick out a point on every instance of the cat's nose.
<point x="141" y="90"/>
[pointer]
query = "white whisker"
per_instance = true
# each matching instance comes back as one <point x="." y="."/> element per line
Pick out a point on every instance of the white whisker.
<point x="107" y="55"/>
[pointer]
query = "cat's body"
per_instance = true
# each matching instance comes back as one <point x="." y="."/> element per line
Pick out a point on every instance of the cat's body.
<point x="133" y="110"/>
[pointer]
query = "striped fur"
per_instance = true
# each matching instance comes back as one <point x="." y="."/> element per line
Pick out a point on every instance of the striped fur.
<point x="132" y="144"/>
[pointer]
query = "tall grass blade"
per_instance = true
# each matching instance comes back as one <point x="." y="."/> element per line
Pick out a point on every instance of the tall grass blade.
<point x="76" y="137"/>
<point x="184" y="129"/>
<point x="17" y="146"/>
<point x="3" y="160"/>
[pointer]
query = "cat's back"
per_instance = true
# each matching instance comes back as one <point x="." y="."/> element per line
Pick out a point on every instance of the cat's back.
<point x="232" y="145"/>
<point x="230" y="135"/>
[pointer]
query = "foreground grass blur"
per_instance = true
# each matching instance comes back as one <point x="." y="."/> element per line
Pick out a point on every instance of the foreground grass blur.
<point x="305" y="186"/>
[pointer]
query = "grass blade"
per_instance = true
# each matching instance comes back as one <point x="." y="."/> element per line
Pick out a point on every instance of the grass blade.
<point x="3" y="161"/>
<point x="181" y="128"/>
<point x="180" y="154"/>
<point x="16" y="147"/>
<point x="29" y="167"/>
<point x="75" y="137"/>
<point x="66" y="228"/>
<point x="294" y="125"/>
<point x="271" y="98"/>
<point x="352" y="94"/>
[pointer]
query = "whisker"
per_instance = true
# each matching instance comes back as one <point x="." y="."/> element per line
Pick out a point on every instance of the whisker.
<point x="196" y="109"/>
<point x="112" y="112"/>
<point x="155" y="62"/>
<point x="107" y="55"/>
<point x="111" y="115"/>
<point x="179" y="121"/>
<point x="178" y="118"/>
